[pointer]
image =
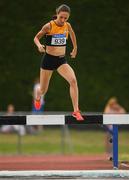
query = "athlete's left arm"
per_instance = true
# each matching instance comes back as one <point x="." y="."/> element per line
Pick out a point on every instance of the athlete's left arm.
<point x="73" y="39"/>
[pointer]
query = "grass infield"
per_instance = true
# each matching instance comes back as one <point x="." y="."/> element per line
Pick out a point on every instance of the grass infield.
<point x="49" y="141"/>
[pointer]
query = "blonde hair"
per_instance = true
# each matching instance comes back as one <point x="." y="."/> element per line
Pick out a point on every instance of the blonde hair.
<point x="112" y="100"/>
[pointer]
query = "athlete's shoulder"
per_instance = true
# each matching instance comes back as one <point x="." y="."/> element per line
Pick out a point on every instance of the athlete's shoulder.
<point x="46" y="27"/>
<point x="69" y="26"/>
<point x="68" y="23"/>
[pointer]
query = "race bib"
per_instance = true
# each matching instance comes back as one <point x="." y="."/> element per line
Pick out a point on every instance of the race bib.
<point x="58" y="39"/>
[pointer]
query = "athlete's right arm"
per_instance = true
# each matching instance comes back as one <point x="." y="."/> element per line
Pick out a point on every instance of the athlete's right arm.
<point x="45" y="29"/>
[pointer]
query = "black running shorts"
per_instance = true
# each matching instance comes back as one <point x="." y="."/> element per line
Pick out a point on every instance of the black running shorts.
<point x="50" y="62"/>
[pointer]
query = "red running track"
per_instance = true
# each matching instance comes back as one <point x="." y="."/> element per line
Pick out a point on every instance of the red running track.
<point x="56" y="162"/>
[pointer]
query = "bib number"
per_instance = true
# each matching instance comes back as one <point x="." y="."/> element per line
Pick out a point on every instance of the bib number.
<point x="58" y="39"/>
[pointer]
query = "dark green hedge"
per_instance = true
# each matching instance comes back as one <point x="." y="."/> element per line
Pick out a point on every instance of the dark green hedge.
<point x="102" y="65"/>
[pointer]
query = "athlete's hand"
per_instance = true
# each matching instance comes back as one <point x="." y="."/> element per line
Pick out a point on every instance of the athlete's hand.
<point x="73" y="53"/>
<point x="41" y="48"/>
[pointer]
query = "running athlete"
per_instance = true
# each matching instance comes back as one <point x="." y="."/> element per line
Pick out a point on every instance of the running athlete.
<point x="56" y="33"/>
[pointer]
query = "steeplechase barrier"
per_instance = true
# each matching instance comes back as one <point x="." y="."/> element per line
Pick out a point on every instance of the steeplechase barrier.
<point x="67" y="119"/>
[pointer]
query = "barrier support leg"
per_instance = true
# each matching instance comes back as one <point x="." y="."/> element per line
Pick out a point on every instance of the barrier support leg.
<point x="115" y="146"/>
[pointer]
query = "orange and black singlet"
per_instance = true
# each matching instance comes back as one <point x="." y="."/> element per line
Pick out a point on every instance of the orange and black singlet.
<point x="58" y="35"/>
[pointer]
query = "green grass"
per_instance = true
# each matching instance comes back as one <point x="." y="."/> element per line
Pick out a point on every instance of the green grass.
<point x="50" y="142"/>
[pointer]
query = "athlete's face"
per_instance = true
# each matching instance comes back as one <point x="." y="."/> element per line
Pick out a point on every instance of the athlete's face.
<point x="62" y="17"/>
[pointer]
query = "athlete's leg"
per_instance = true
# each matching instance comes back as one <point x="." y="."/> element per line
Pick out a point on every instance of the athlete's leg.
<point x="45" y="76"/>
<point x="67" y="72"/>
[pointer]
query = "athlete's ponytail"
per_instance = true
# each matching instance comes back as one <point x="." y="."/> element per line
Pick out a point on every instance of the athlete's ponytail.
<point x="54" y="17"/>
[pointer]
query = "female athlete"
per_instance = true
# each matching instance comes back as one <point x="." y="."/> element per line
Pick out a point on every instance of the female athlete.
<point x="56" y="33"/>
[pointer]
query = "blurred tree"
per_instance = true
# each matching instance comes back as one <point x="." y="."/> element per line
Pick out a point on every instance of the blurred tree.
<point x="102" y="65"/>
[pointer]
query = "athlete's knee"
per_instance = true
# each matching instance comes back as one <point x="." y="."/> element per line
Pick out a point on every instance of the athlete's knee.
<point x="73" y="82"/>
<point x="43" y="90"/>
